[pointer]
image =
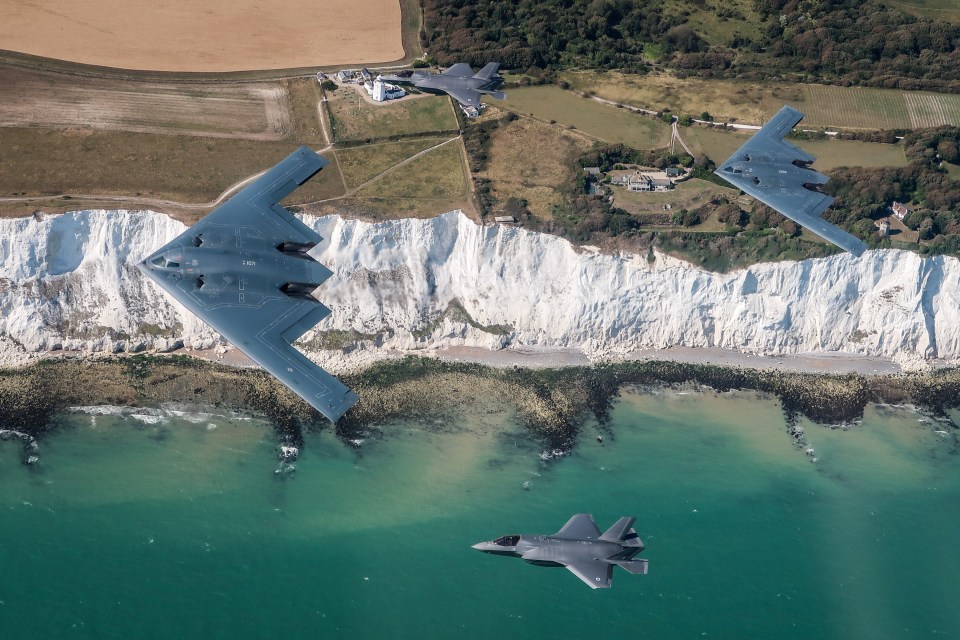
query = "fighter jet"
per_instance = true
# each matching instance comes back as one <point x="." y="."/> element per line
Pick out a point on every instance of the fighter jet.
<point x="459" y="81"/>
<point x="245" y="270"/>
<point x="778" y="174"/>
<point x="580" y="547"/>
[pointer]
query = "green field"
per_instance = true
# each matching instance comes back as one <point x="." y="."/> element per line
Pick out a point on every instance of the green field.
<point x="436" y="174"/>
<point x="754" y="102"/>
<point x="589" y="116"/>
<point x="354" y="118"/>
<point x="362" y="163"/>
<point x="719" y="145"/>
<point x="946" y="10"/>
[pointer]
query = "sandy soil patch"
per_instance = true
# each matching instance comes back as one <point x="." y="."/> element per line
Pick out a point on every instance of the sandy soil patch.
<point x="253" y="111"/>
<point x="217" y="35"/>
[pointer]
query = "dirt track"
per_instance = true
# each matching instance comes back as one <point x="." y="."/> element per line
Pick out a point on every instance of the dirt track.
<point x="251" y="111"/>
<point x="217" y="35"/>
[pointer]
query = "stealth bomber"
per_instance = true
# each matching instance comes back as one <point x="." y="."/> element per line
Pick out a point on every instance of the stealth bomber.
<point x="245" y="270"/>
<point x="580" y="547"/>
<point x="778" y="174"/>
<point x="458" y="81"/>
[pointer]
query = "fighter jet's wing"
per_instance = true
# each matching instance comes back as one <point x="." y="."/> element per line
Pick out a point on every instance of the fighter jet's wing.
<point x="768" y="168"/>
<point x="579" y="527"/>
<point x="461" y="69"/>
<point x="465" y="96"/>
<point x="596" y="573"/>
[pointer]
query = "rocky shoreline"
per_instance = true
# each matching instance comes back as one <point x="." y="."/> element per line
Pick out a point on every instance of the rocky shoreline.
<point x="553" y="404"/>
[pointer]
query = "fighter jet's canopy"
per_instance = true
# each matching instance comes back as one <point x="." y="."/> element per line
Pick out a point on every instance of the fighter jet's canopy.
<point x="507" y="541"/>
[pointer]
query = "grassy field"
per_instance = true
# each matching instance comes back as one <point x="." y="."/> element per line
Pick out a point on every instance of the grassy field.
<point x="533" y="161"/>
<point x="181" y="168"/>
<point x="714" y="29"/>
<point x="356" y="119"/>
<point x="946" y="10"/>
<point x="719" y="145"/>
<point x="593" y="118"/>
<point x="753" y="102"/>
<point x="362" y="163"/>
<point x="689" y="194"/>
<point x="436" y="174"/>
<point x="304" y="98"/>
<point x="431" y="184"/>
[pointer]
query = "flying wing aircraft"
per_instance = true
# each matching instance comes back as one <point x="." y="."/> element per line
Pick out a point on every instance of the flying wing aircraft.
<point x="778" y="174"/>
<point x="245" y="270"/>
<point x="458" y="81"/>
<point x="580" y="547"/>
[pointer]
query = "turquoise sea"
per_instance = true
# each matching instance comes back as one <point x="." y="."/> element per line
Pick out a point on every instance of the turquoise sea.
<point x="181" y="529"/>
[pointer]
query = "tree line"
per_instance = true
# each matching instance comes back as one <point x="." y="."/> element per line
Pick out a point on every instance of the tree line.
<point x="851" y="42"/>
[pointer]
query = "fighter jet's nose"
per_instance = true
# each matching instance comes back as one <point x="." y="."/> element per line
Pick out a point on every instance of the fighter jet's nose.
<point x="484" y="546"/>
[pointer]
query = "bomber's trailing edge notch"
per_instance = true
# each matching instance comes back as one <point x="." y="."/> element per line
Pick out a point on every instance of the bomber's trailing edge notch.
<point x="580" y="547"/>
<point x="458" y="81"/>
<point x="245" y="270"/>
<point x="778" y="174"/>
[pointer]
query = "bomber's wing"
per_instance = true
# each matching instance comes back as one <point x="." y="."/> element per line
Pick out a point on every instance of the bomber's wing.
<point x="461" y="70"/>
<point x="596" y="573"/>
<point x="579" y="527"/>
<point x="265" y="332"/>
<point x="258" y="204"/>
<point x="776" y="173"/>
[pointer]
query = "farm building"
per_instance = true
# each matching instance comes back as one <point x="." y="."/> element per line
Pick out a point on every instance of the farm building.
<point x="346" y="75"/>
<point x="643" y="182"/>
<point x="380" y="91"/>
<point x="900" y="210"/>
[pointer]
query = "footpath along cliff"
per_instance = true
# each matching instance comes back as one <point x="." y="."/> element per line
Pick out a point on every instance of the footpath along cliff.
<point x="68" y="282"/>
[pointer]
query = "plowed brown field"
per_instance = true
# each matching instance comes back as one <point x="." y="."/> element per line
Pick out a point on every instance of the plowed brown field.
<point x="216" y="35"/>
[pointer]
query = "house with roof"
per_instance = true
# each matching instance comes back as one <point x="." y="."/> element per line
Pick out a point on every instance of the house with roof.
<point x="900" y="210"/>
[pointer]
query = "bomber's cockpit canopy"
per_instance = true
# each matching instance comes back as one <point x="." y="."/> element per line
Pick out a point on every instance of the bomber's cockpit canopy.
<point x="507" y="541"/>
<point x="166" y="262"/>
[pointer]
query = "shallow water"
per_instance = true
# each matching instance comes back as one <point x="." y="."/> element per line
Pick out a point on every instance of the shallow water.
<point x="181" y="528"/>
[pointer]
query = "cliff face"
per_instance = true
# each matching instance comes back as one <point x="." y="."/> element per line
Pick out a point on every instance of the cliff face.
<point x="69" y="282"/>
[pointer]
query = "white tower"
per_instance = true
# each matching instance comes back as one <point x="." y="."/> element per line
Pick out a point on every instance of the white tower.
<point x="379" y="90"/>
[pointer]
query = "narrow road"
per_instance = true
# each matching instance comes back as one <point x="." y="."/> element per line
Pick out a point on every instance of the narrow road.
<point x="675" y="131"/>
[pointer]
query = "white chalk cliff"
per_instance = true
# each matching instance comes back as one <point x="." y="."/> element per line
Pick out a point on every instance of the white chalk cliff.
<point x="69" y="282"/>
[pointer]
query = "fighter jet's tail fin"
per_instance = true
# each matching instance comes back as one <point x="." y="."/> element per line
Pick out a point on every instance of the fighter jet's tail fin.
<point x="636" y="567"/>
<point x="488" y="71"/>
<point x="622" y="531"/>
